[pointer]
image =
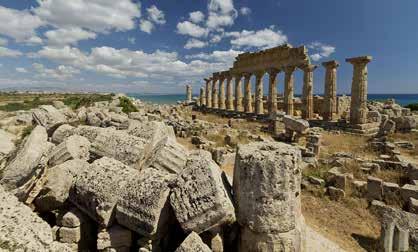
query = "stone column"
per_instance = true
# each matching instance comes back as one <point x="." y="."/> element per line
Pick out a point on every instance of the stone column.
<point x="288" y="89"/>
<point x="215" y="103"/>
<point x="208" y="93"/>
<point x="259" y="108"/>
<point x="330" y="90"/>
<point x="307" y="92"/>
<point x="272" y="99"/>
<point x="238" y="93"/>
<point x="267" y="194"/>
<point x="222" y="92"/>
<point x="358" y="110"/>
<point x="202" y="97"/>
<point x="229" y="94"/>
<point x="248" y="106"/>
<point x="188" y="93"/>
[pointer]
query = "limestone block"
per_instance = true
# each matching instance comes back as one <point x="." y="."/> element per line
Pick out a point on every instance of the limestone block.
<point x="340" y="181"/>
<point x="48" y="117"/>
<point x="336" y="193"/>
<point x="409" y="191"/>
<point x="297" y="125"/>
<point x="143" y="203"/>
<point x="58" y="104"/>
<point x="97" y="189"/>
<point x="359" y="188"/>
<point x="373" y="116"/>
<point x="71" y="219"/>
<point x="119" y="145"/>
<point x="167" y="155"/>
<point x="22" y="167"/>
<point x="193" y="243"/>
<point x="405" y="123"/>
<point x="74" y="147"/>
<point x="21" y="229"/>
<point x="59" y="180"/>
<point x="316" y="181"/>
<point x="412" y="172"/>
<point x="391" y="193"/>
<point x="93" y="120"/>
<point x="82" y="114"/>
<point x="257" y="242"/>
<point x="6" y="143"/>
<point x="69" y="235"/>
<point x="88" y="132"/>
<point x="199" y="197"/>
<point x="267" y="178"/>
<point x="152" y="132"/>
<point x="114" y="237"/>
<point x="62" y="132"/>
<point x="374" y="188"/>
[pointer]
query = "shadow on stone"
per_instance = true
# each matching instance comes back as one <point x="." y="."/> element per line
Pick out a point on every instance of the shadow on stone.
<point x="368" y="243"/>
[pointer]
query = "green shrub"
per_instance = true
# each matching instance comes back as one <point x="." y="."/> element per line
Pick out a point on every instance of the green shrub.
<point x="412" y="106"/>
<point x="76" y="102"/>
<point x="25" y="105"/>
<point x="127" y="105"/>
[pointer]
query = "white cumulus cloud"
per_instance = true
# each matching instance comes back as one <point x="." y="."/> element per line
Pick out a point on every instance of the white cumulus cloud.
<point x="217" y="56"/>
<point x="221" y="13"/>
<point x="146" y="26"/>
<point x="245" y="11"/>
<point x="6" y="52"/>
<point x="68" y="36"/>
<point x="268" y="37"/>
<point x="320" y="50"/>
<point x="188" y="28"/>
<point x="156" y="15"/>
<point x="196" y="16"/>
<point x="60" y="73"/>
<point x="195" y="43"/>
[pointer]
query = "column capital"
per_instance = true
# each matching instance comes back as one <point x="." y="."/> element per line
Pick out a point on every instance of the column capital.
<point x="308" y="67"/>
<point x="289" y="69"/>
<point x="331" y="64"/>
<point x="359" y="60"/>
<point x="208" y="79"/>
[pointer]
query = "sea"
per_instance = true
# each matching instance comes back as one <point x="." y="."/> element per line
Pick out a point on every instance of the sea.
<point x="402" y="99"/>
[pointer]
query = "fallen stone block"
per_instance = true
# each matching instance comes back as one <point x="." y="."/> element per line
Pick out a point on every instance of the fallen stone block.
<point x="114" y="237"/>
<point x="23" y="230"/>
<point x="22" y="167"/>
<point x="409" y="191"/>
<point x="88" y="132"/>
<point x="74" y="147"/>
<point x="316" y="181"/>
<point x="119" y="145"/>
<point x="143" y="202"/>
<point x="359" y="188"/>
<point x="71" y="219"/>
<point x="167" y="155"/>
<point x="69" y="235"/>
<point x="152" y="132"/>
<point x="97" y="189"/>
<point x="374" y="188"/>
<point x="193" y="243"/>
<point x="61" y="133"/>
<point x="6" y="143"/>
<point x="48" y="117"/>
<point x="336" y="193"/>
<point x="199" y="198"/>
<point x="391" y="193"/>
<point x="297" y="125"/>
<point x="59" y="180"/>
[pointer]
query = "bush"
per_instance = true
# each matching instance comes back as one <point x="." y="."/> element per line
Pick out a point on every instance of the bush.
<point x="25" y="105"/>
<point x="127" y="105"/>
<point x="76" y="102"/>
<point x="412" y="106"/>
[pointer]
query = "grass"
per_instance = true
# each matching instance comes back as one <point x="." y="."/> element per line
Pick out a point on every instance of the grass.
<point x="412" y="106"/>
<point x="127" y="105"/>
<point x="25" y="105"/>
<point x="317" y="172"/>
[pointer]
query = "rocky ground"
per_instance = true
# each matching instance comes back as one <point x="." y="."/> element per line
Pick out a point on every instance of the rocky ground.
<point x="110" y="177"/>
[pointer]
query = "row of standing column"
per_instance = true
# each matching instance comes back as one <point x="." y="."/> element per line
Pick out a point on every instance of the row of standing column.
<point x="212" y="97"/>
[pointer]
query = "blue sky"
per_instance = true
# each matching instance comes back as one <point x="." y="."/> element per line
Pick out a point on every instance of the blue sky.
<point x="159" y="46"/>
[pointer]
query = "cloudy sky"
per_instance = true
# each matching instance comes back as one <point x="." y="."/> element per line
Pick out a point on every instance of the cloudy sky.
<point x="159" y="46"/>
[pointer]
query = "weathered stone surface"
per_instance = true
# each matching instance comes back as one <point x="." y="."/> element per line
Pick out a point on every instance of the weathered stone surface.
<point x="119" y="145"/>
<point x="336" y="193"/>
<point x="21" y="229"/>
<point x="167" y="155"/>
<point x="297" y="125"/>
<point x="6" y="143"/>
<point x="405" y="123"/>
<point x="199" y="197"/>
<point x="409" y="191"/>
<point x="58" y="104"/>
<point x="374" y="188"/>
<point x="152" y="132"/>
<point x="97" y="189"/>
<point x="61" y="133"/>
<point x="49" y="117"/>
<point x="193" y="243"/>
<point x="89" y="132"/>
<point x="143" y="202"/>
<point x="74" y="147"/>
<point x="22" y="167"/>
<point x="69" y="235"/>
<point x="73" y="218"/>
<point x="114" y="237"/>
<point x="59" y="180"/>
<point x="267" y="179"/>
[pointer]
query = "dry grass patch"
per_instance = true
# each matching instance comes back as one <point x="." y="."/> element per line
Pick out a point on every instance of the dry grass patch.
<point x="357" y="145"/>
<point x="349" y="223"/>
